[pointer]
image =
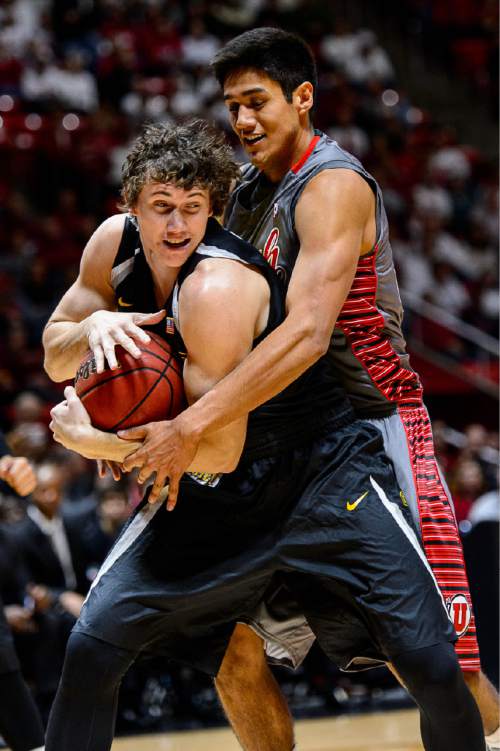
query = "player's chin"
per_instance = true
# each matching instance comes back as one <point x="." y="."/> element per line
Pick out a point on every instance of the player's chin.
<point x="178" y="256"/>
<point x="258" y="158"/>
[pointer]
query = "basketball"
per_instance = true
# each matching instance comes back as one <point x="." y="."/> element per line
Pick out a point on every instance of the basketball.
<point x="142" y="390"/>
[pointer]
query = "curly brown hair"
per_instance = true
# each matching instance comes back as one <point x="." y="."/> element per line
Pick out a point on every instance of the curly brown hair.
<point x="194" y="153"/>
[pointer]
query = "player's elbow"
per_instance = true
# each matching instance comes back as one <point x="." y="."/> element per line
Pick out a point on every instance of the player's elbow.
<point x="53" y="367"/>
<point x="315" y="339"/>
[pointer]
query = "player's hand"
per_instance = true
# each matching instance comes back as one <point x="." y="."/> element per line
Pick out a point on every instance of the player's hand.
<point x="70" y="421"/>
<point x="18" y="473"/>
<point x="72" y="428"/>
<point x="168" y="449"/>
<point x="103" y="465"/>
<point x="106" y="329"/>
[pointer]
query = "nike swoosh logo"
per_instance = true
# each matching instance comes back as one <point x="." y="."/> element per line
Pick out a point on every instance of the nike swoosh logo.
<point x="124" y="304"/>
<point x="351" y="506"/>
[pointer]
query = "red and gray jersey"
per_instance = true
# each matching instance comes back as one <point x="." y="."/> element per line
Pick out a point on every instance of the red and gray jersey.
<point x="367" y="347"/>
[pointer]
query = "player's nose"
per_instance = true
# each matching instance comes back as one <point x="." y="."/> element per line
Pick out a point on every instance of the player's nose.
<point x="175" y="222"/>
<point x="245" y="120"/>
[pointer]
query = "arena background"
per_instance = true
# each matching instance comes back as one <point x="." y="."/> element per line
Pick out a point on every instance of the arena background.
<point x="411" y="88"/>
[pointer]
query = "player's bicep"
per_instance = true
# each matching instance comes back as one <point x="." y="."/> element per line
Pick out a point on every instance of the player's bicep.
<point x="330" y="243"/>
<point x="218" y="320"/>
<point x="92" y="289"/>
<point x="80" y="301"/>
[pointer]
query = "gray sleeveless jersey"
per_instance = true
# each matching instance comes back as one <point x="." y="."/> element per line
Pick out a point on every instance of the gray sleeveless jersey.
<point x="367" y="349"/>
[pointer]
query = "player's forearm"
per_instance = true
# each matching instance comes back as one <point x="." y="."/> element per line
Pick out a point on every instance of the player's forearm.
<point x="65" y="344"/>
<point x="277" y="361"/>
<point x="97" y="444"/>
<point x="220" y="451"/>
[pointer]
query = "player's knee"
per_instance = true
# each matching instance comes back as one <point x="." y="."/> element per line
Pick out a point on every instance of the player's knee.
<point x="243" y="660"/>
<point x="423" y="670"/>
<point x="91" y="666"/>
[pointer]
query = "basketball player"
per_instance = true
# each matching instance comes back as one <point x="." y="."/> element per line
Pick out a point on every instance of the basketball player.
<point x="298" y="489"/>
<point x="20" y="723"/>
<point x="318" y="218"/>
<point x="298" y="177"/>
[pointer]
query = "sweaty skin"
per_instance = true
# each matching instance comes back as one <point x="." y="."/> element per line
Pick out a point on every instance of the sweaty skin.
<point x="331" y="243"/>
<point x="223" y="306"/>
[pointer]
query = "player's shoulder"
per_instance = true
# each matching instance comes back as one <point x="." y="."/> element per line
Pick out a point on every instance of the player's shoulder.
<point x="222" y="242"/>
<point x="111" y="229"/>
<point x="105" y="241"/>
<point x="341" y="178"/>
<point x="342" y="187"/>
<point x="214" y="277"/>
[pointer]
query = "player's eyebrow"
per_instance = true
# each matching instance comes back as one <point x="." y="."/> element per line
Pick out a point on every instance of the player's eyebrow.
<point x="247" y="92"/>
<point x="168" y="194"/>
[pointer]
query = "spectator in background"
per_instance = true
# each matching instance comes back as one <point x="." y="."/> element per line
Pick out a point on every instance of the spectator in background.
<point x="347" y="134"/>
<point x="103" y="523"/>
<point x="74" y="86"/>
<point x="447" y="291"/>
<point x="198" y="47"/>
<point x="37" y="80"/>
<point x="49" y="540"/>
<point x="20" y="723"/>
<point x="369" y="63"/>
<point x="467" y="484"/>
<point x="49" y="547"/>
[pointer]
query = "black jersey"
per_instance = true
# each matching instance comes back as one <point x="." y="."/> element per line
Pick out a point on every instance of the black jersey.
<point x="300" y="409"/>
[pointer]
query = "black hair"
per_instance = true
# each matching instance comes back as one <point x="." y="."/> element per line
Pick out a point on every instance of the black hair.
<point x="284" y="57"/>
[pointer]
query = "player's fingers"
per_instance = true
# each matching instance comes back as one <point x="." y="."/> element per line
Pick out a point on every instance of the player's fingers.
<point x="108" y="346"/>
<point x="70" y="393"/>
<point x="133" y="434"/>
<point x="157" y="487"/>
<point x="115" y="470"/>
<point x="173" y="491"/>
<point x="127" y="343"/>
<point x="144" y="473"/>
<point x="137" y="333"/>
<point x="148" y="319"/>
<point x="98" y="357"/>
<point x="101" y="468"/>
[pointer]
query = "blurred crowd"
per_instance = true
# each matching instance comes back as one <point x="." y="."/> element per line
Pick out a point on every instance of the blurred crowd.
<point x="462" y="35"/>
<point x="77" y="80"/>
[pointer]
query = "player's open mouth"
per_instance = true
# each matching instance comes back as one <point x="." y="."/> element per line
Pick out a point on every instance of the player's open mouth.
<point x="251" y="141"/>
<point x="177" y="245"/>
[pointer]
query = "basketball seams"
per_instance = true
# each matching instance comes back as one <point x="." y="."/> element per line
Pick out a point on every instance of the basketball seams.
<point x="148" y="393"/>
<point x="114" y="377"/>
<point x="165" y="401"/>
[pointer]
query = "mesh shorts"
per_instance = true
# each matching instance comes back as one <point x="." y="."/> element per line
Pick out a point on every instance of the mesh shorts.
<point x="408" y="442"/>
<point x="326" y="518"/>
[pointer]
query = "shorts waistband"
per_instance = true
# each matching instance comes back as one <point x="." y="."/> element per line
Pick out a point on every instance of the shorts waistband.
<point x="287" y="436"/>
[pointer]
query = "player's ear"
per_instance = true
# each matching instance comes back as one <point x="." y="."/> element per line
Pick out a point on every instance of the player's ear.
<point x="303" y="97"/>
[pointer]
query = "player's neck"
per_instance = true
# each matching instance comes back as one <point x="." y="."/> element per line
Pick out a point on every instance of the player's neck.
<point x="294" y="153"/>
<point x="164" y="278"/>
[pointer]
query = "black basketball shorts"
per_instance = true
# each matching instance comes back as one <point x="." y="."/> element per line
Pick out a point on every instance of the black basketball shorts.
<point x="325" y="517"/>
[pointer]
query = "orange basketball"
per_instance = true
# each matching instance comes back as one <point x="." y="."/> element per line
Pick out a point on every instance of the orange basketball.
<point x="142" y="390"/>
